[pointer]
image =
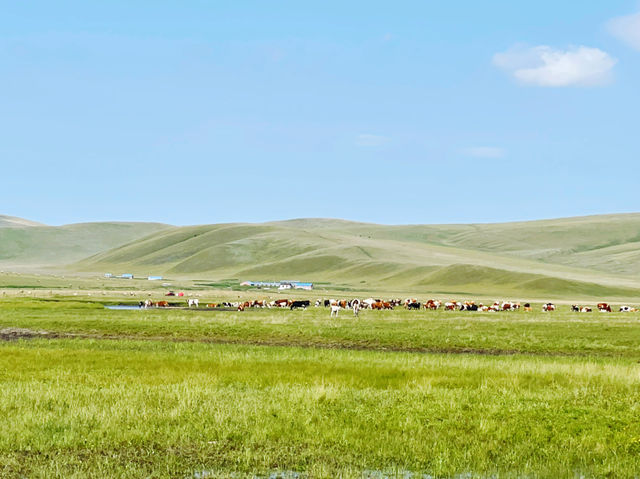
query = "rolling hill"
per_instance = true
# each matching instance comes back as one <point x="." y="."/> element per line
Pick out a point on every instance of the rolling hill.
<point x="26" y="245"/>
<point x="588" y="256"/>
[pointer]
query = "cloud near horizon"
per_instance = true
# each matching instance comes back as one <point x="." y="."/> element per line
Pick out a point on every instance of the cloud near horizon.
<point x="549" y="67"/>
<point x="626" y="29"/>
<point x="493" y="152"/>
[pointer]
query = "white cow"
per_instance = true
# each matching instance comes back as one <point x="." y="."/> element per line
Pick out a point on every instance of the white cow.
<point x="355" y="304"/>
<point x="193" y="302"/>
<point x="334" y="310"/>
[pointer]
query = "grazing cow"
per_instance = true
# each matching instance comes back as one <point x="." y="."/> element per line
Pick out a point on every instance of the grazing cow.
<point x="334" y="310"/>
<point x="381" y="305"/>
<point x="162" y="304"/>
<point x="212" y="305"/>
<point x="409" y="301"/>
<point x="414" y="305"/>
<point x="604" y="307"/>
<point x="625" y="309"/>
<point x="318" y="303"/>
<point x="432" y="304"/>
<point x="585" y="309"/>
<point x="304" y="304"/>
<point x="192" y="302"/>
<point x="452" y="305"/>
<point x="355" y="305"/>
<point x="510" y="306"/>
<point x="548" y="307"/>
<point x="282" y="303"/>
<point x="368" y="303"/>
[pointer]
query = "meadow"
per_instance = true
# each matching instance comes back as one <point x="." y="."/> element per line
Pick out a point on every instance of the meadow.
<point x="91" y="392"/>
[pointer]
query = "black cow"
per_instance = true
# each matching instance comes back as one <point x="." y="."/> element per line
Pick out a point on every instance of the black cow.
<point x="300" y="304"/>
<point x="413" y="306"/>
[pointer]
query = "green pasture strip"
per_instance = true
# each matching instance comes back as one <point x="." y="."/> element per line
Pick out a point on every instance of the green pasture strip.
<point x="562" y="333"/>
<point x="84" y="408"/>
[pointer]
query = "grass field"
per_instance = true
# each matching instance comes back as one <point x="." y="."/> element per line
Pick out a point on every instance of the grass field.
<point x="90" y="392"/>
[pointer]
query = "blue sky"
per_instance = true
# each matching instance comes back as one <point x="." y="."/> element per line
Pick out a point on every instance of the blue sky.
<point x="392" y="112"/>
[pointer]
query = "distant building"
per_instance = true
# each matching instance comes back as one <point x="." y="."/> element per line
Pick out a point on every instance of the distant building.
<point x="278" y="284"/>
<point x="108" y="275"/>
<point x="126" y="276"/>
<point x="154" y="278"/>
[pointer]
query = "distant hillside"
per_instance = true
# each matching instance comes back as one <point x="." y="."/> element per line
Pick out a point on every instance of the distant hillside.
<point x="589" y="256"/>
<point x="28" y="244"/>
<point x="12" y="222"/>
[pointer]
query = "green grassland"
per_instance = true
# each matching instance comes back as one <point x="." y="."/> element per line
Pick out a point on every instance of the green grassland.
<point x="91" y="392"/>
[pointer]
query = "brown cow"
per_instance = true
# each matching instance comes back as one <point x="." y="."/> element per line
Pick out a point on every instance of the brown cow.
<point x="162" y="304"/>
<point x="604" y="307"/>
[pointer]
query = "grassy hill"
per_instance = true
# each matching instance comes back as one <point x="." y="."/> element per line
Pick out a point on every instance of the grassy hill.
<point x="582" y="257"/>
<point x="12" y="221"/>
<point x="24" y="244"/>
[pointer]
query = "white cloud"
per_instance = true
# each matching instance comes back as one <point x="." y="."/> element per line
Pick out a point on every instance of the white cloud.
<point x="627" y="29"/>
<point x="366" y="139"/>
<point x="549" y="67"/>
<point x="485" y="152"/>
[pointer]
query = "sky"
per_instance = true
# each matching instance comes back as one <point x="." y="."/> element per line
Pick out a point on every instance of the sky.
<point x="193" y="112"/>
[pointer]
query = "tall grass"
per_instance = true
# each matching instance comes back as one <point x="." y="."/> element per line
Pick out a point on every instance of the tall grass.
<point x="153" y="409"/>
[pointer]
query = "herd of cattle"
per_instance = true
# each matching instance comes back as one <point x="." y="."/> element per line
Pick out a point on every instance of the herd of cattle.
<point x="377" y="304"/>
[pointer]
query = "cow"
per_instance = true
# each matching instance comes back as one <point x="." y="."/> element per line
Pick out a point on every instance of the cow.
<point x="304" y="304"/>
<point x="509" y="306"/>
<point x="147" y="303"/>
<point x="334" y="310"/>
<point x="162" y="304"/>
<point x="625" y="309"/>
<point x="604" y="307"/>
<point x="318" y="303"/>
<point x="192" y="302"/>
<point x="212" y="305"/>
<point x="527" y="307"/>
<point x="432" y="304"/>
<point x="409" y="301"/>
<point x="548" y="307"/>
<point x="452" y="305"/>
<point x="355" y="305"/>
<point x="414" y="305"/>
<point x="368" y="303"/>
<point x="282" y="303"/>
